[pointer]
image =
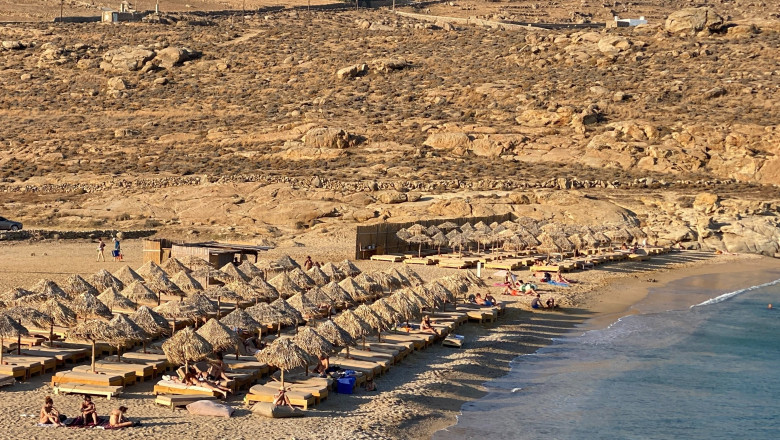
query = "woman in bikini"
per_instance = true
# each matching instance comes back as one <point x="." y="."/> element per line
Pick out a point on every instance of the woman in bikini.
<point x="88" y="411"/>
<point x="49" y="415"/>
<point x="118" y="419"/>
<point x="191" y="379"/>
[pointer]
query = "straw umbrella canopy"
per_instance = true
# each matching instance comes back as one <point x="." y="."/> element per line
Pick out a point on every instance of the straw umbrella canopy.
<point x="548" y="244"/>
<point x="466" y="227"/>
<point x="263" y="287"/>
<point x="334" y="334"/>
<point x="386" y="281"/>
<point x="87" y="305"/>
<point x="158" y="281"/>
<point x="194" y="263"/>
<point x="174" y="265"/>
<point x="619" y="235"/>
<point x="411" y="274"/>
<point x="432" y="230"/>
<point x="28" y="316"/>
<point x="46" y="289"/>
<point x="439" y="240"/>
<point x="285" y="307"/>
<point x="152" y="322"/>
<point x="219" y="292"/>
<point x="265" y="314"/>
<point x="319" y="277"/>
<point x="458" y="240"/>
<point x="602" y="238"/>
<point x="250" y="270"/>
<point x="419" y="240"/>
<point x="103" y="279"/>
<point x="285" y="285"/>
<point x="312" y="342"/>
<point x="238" y="320"/>
<point x="338" y="295"/>
<point x="186" y="346"/>
<point x="333" y="272"/>
<point x="421" y="301"/>
<point x="416" y="229"/>
<point x="405" y="281"/>
<point x="403" y="234"/>
<point x="446" y="226"/>
<point x="233" y="273"/>
<point x="286" y="263"/>
<point x="205" y="274"/>
<point x="382" y="308"/>
<point x="138" y="293"/>
<point x="456" y="285"/>
<point x="368" y="284"/>
<point x="299" y="277"/>
<point x="127" y="275"/>
<point x="441" y="292"/>
<point x="202" y="304"/>
<point x="371" y="318"/>
<point x="401" y="303"/>
<point x="113" y="299"/>
<point x="127" y="331"/>
<point x="174" y="310"/>
<point x="354" y="290"/>
<point x="186" y="283"/>
<point x="150" y="269"/>
<point x="348" y="268"/>
<point x="75" y="285"/>
<point x="93" y="331"/>
<point x="353" y="324"/>
<point x="9" y="328"/>
<point x="284" y="354"/>
<point x="305" y="305"/>
<point x="220" y="336"/>
<point x="247" y="292"/>
<point x="58" y="314"/>
<point x="17" y="296"/>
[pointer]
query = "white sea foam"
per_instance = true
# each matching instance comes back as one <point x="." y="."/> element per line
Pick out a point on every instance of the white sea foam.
<point x="726" y="296"/>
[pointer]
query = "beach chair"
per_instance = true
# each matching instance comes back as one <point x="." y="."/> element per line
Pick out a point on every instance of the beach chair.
<point x="170" y="387"/>
<point x="93" y="390"/>
<point x="16" y="371"/>
<point x="127" y="374"/>
<point x="267" y="393"/>
<point x="142" y="372"/>
<point x="87" y="378"/>
<point x="48" y="365"/>
<point x="172" y="401"/>
<point x="6" y="380"/>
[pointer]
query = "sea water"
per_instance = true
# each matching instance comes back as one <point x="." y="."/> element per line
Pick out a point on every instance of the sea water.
<point x="704" y="370"/>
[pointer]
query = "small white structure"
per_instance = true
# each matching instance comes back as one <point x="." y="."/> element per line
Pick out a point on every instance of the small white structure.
<point x="627" y="22"/>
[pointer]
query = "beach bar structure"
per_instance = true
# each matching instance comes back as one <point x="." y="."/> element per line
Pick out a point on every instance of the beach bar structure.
<point x="216" y="253"/>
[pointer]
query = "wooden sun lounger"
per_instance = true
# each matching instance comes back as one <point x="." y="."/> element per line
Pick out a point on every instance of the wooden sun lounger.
<point x="101" y="348"/>
<point x="398" y="353"/>
<point x="536" y="268"/>
<point x="48" y="365"/>
<point x="385" y="360"/>
<point x="127" y="374"/>
<point x="6" y="380"/>
<point x="164" y="388"/>
<point x="455" y="263"/>
<point x="481" y="315"/>
<point x="159" y="367"/>
<point x="93" y="390"/>
<point x="260" y="369"/>
<point x="241" y="380"/>
<point x="459" y="318"/>
<point x="263" y="393"/>
<point x="85" y="378"/>
<point x="142" y="372"/>
<point x="17" y="371"/>
<point x="173" y="401"/>
<point x="420" y="341"/>
<point x="388" y="257"/>
<point x="637" y="257"/>
<point x="62" y="355"/>
<point x="426" y="261"/>
<point x="369" y="368"/>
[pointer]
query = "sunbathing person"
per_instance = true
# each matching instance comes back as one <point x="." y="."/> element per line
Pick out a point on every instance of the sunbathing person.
<point x="252" y="345"/>
<point x="88" y="411"/>
<point x="489" y="298"/>
<point x="427" y="326"/>
<point x="49" y="415"/>
<point x="481" y="301"/>
<point x="216" y="371"/>
<point x="118" y="419"/>
<point x="560" y="279"/>
<point x="191" y="379"/>
<point x="528" y="289"/>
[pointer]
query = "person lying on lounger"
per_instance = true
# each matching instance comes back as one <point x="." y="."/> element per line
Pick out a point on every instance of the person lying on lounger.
<point x="491" y="299"/>
<point x="481" y="301"/>
<point x="427" y="326"/>
<point x="49" y="415"/>
<point x="216" y="371"/>
<point x="191" y="379"/>
<point x="118" y="419"/>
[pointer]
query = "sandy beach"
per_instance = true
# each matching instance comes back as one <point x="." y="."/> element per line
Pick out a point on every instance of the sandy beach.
<point x="417" y="397"/>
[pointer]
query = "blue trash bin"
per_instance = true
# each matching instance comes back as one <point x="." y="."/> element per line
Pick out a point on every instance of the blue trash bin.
<point x="345" y="385"/>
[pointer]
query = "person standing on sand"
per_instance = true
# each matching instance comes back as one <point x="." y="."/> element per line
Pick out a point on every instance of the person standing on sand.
<point x="308" y="264"/>
<point x="117" y="249"/>
<point x="101" y="248"/>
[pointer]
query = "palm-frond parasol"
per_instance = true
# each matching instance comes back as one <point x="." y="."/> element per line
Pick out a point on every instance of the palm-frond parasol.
<point x="265" y="314"/>
<point x="127" y="330"/>
<point x="113" y="299"/>
<point x="355" y="291"/>
<point x="152" y="322"/>
<point x="432" y="230"/>
<point x="220" y="336"/>
<point x="348" y="268"/>
<point x="382" y="308"/>
<point x="299" y="277"/>
<point x="139" y="293"/>
<point x="319" y="277"/>
<point x="239" y="320"/>
<point x="353" y="324"/>
<point x="75" y="285"/>
<point x="284" y="354"/>
<point x="250" y="270"/>
<point x="87" y="305"/>
<point x="186" y="283"/>
<point x="219" y="292"/>
<point x="93" y="331"/>
<point x="339" y="296"/>
<point x="127" y="275"/>
<point x="233" y="273"/>
<point x="333" y="272"/>
<point x="174" y="265"/>
<point x="246" y="291"/>
<point x="457" y="241"/>
<point x="9" y="328"/>
<point x="403" y="234"/>
<point x="266" y="289"/>
<point x="285" y="285"/>
<point x="58" y="314"/>
<point x="103" y="279"/>
<point x="446" y="226"/>
<point x="186" y="346"/>
<point x="371" y="318"/>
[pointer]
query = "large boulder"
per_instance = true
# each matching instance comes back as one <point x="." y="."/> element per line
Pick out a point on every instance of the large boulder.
<point x="694" y="20"/>
<point x="173" y="56"/>
<point x="388" y="64"/>
<point x="391" y="196"/>
<point x="352" y="71"/>
<point x="449" y="141"/>
<point x="126" y="59"/>
<point x="758" y="235"/>
<point x="322" y="137"/>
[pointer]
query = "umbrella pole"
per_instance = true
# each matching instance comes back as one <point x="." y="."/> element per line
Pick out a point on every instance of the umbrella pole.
<point x="279" y="329"/>
<point x="144" y="345"/>
<point x="364" y="342"/>
<point x="93" y="356"/>
<point x="51" y="334"/>
<point x="1" y="350"/>
<point x="219" y="306"/>
<point x="119" y="353"/>
<point x="283" y="380"/>
<point x="173" y="327"/>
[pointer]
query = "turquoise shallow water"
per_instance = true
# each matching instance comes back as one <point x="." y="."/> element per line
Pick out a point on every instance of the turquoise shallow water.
<point x="711" y="371"/>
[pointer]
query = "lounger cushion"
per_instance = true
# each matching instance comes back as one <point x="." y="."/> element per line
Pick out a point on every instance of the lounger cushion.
<point x="276" y="412"/>
<point x="209" y="408"/>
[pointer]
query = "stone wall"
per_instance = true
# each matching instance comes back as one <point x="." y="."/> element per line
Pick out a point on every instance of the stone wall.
<point x="44" y="234"/>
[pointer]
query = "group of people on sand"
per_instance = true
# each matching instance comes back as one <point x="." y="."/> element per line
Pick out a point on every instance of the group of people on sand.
<point x="308" y="264"/>
<point x="514" y="286"/>
<point x="88" y="415"/>
<point x="536" y="303"/>
<point x="116" y="253"/>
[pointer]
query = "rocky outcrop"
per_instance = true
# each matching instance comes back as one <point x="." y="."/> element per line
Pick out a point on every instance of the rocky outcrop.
<point x="174" y="56"/>
<point x="126" y="59"/>
<point x="693" y="20"/>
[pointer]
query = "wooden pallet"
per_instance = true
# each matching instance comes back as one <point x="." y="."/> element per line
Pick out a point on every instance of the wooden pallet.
<point x="388" y="257"/>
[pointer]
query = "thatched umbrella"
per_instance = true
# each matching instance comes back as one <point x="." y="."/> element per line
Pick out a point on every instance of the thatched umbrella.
<point x="87" y="305"/>
<point x="304" y="304"/>
<point x="194" y="263"/>
<point x="333" y="272"/>
<point x="58" y="314"/>
<point x="75" y="285"/>
<point x="466" y="227"/>
<point x="382" y="308"/>
<point x="219" y="292"/>
<point x="9" y="328"/>
<point x="455" y="284"/>
<point x="127" y="275"/>
<point x="334" y="334"/>
<point x="403" y="234"/>
<point x="441" y="291"/>
<point x="17" y="295"/>
<point x="458" y="240"/>
<point x="432" y="230"/>
<point x="353" y="324"/>
<point x="28" y="316"/>
<point x="338" y="295"/>
<point x="439" y="240"/>
<point x="548" y="245"/>
<point x="285" y="307"/>
<point x="186" y="346"/>
<point x="319" y="277"/>
<point x="405" y="281"/>
<point x="103" y="279"/>
<point x="422" y="302"/>
<point x="285" y="285"/>
<point x="602" y="238"/>
<point x="46" y="289"/>
<point x="250" y="270"/>
<point x="311" y="342"/>
<point x="202" y="304"/>
<point x="368" y="284"/>
<point x="446" y="226"/>
<point x="138" y="292"/>
<point x="286" y="263"/>
<point x="220" y="336"/>
<point x="238" y="320"/>
<point x="174" y="310"/>
<point x="186" y="283"/>
<point x="386" y="281"/>
<point x="263" y="287"/>
<point x="152" y="322"/>
<point x="233" y="273"/>
<point x="354" y="290"/>
<point x="127" y="331"/>
<point x="265" y="314"/>
<point x="158" y="281"/>
<point x="174" y="265"/>
<point x="420" y="240"/>
<point x="93" y="331"/>
<point x="246" y="291"/>
<point x="348" y="268"/>
<point x="401" y="303"/>
<point x="205" y="274"/>
<point x="411" y="274"/>
<point x="373" y="319"/>
<point x="299" y="277"/>
<point x="150" y="269"/>
<point x="284" y="354"/>
<point x="619" y="235"/>
<point x="113" y="299"/>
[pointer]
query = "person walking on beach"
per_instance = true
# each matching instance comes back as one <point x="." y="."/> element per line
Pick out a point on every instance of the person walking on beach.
<point x="117" y="249"/>
<point x="101" y="248"/>
<point x="308" y="264"/>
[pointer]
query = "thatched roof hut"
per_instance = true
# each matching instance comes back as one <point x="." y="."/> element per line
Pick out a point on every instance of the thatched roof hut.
<point x="186" y="346"/>
<point x="139" y="293"/>
<point x="299" y="277"/>
<point x="87" y="305"/>
<point x="102" y="280"/>
<point x="75" y="285"/>
<point x="239" y="320"/>
<point x="9" y="328"/>
<point x="220" y="336"/>
<point x="186" y="283"/>
<point x="127" y="275"/>
<point x="285" y="285"/>
<point x="333" y="272"/>
<point x="174" y="265"/>
<point x="334" y="334"/>
<point x="234" y="274"/>
<point x="312" y="342"/>
<point x="114" y="300"/>
<point x="152" y="322"/>
<point x="319" y="277"/>
<point x="348" y="268"/>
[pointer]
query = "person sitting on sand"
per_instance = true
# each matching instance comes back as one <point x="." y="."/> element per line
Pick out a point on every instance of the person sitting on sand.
<point x="281" y="399"/>
<point x="191" y="379"/>
<point x="536" y="303"/>
<point x="88" y="411"/>
<point x="560" y="279"/>
<point x="551" y="303"/>
<point x="118" y="419"/>
<point x="427" y="326"/>
<point x="49" y="415"/>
